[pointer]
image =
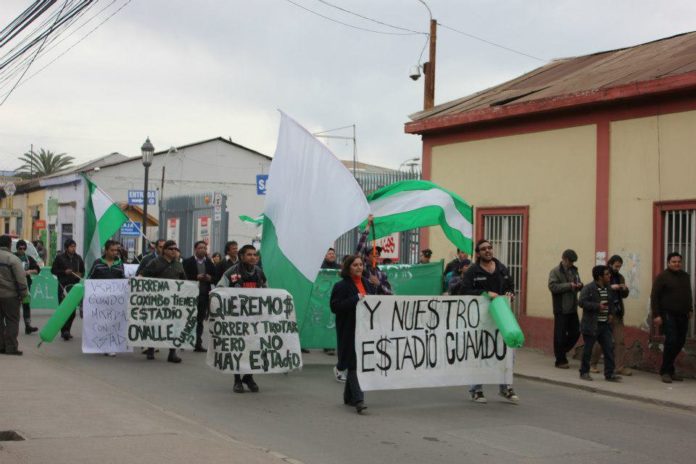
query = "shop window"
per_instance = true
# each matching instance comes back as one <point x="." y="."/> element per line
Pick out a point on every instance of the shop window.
<point x="506" y="228"/>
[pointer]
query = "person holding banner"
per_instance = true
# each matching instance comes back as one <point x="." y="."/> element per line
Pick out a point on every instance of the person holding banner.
<point x="69" y="268"/>
<point x="109" y="266"/>
<point x="344" y="297"/>
<point x="244" y="274"/>
<point x="31" y="267"/>
<point x="373" y="273"/>
<point x="487" y="275"/>
<point x="166" y="266"/>
<point x="148" y="258"/>
<point x="200" y="268"/>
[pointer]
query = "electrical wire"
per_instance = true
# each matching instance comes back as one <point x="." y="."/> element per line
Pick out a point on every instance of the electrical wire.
<point x="7" y="95"/>
<point x="350" y="25"/>
<point x="370" y="19"/>
<point x="471" y="36"/>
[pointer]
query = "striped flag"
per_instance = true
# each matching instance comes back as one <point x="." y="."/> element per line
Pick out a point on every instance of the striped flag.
<point x="411" y="204"/>
<point x="103" y="218"/>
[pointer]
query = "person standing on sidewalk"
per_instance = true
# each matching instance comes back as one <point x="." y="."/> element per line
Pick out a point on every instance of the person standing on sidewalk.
<point x="488" y="275"/>
<point x="201" y="269"/>
<point x="620" y="290"/>
<point x="166" y="266"/>
<point x="31" y="267"/>
<point x="596" y="301"/>
<point x="245" y="274"/>
<point x="564" y="284"/>
<point x="69" y="268"/>
<point x="13" y="289"/>
<point x="672" y="306"/>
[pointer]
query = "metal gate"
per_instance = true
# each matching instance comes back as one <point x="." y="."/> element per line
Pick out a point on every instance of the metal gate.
<point x="188" y="219"/>
<point x="680" y="236"/>
<point x="409" y="240"/>
<point x="505" y="234"/>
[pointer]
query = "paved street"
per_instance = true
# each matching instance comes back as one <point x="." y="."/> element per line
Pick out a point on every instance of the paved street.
<point x="73" y="407"/>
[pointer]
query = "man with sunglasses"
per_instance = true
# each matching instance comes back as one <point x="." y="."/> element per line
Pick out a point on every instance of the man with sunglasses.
<point x="148" y="258"/>
<point x="489" y="275"/>
<point x="31" y="267"/>
<point x="166" y="266"/>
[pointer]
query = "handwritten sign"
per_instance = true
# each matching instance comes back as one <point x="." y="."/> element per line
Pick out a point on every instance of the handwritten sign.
<point x="411" y="342"/>
<point x="162" y="313"/>
<point x="253" y="331"/>
<point x="105" y="325"/>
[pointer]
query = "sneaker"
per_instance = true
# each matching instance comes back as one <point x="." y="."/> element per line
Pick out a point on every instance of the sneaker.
<point x="586" y="376"/>
<point x="666" y="378"/>
<point x="173" y="358"/>
<point x="477" y="397"/>
<point x="509" y="394"/>
<point x="677" y="377"/>
<point x="613" y="378"/>
<point x="251" y="385"/>
<point x="340" y="375"/>
<point x="28" y="330"/>
<point x="238" y="387"/>
<point x="360" y="407"/>
<point x="594" y="369"/>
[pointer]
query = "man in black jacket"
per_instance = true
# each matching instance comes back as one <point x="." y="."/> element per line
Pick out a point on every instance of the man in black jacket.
<point x="200" y="268"/>
<point x="489" y="275"/>
<point x="596" y="301"/>
<point x="69" y="268"/>
<point x="672" y="305"/>
<point x="564" y="284"/>
<point x="31" y="267"/>
<point x="109" y="266"/>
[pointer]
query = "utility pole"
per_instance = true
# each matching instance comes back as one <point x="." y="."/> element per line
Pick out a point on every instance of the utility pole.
<point x="429" y="68"/>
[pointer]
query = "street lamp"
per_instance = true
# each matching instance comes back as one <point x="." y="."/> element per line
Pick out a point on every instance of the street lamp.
<point x="411" y="162"/>
<point x="148" y="151"/>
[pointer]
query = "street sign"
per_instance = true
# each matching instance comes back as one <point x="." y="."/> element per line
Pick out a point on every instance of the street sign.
<point x="135" y="197"/>
<point x="130" y="229"/>
<point x="261" y="180"/>
<point x="10" y="188"/>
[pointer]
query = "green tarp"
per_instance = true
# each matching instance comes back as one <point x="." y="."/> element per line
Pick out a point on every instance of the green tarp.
<point x="317" y="323"/>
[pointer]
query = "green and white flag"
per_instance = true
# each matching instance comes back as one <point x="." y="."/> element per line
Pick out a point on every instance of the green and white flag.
<point x="257" y="221"/>
<point x="103" y="218"/>
<point x="411" y="204"/>
<point x="311" y="200"/>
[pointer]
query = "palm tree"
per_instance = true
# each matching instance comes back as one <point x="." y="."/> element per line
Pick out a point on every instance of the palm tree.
<point x="43" y="163"/>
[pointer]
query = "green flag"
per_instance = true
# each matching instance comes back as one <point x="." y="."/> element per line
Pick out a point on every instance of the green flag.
<point x="103" y="218"/>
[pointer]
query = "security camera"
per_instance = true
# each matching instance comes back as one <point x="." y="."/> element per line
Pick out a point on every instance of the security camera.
<point x="415" y="73"/>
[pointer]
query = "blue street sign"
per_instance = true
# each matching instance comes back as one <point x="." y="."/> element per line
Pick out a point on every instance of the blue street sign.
<point x="261" y="180"/>
<point x="135" y="197"/>
<point x="131" y="229"/>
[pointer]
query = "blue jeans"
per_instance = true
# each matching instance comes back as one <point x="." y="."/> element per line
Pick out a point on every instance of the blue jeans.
<point x="606" y="341"/>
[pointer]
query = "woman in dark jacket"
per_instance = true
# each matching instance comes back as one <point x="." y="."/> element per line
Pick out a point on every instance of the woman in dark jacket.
<point x="344" y="299"/>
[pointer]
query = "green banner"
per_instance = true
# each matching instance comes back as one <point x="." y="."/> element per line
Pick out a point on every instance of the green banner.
<point x="317" y="323"/>
<point x="44" y="290"/>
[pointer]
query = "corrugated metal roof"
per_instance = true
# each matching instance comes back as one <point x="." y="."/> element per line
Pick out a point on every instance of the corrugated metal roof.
<point x="662" y="58"/>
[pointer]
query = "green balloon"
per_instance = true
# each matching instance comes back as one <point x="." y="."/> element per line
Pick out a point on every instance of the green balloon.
<point x="62" y="313"/>
<point x="505" y="320"/>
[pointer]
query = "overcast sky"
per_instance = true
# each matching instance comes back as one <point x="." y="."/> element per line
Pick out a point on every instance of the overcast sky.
<point x="183" y="71"/>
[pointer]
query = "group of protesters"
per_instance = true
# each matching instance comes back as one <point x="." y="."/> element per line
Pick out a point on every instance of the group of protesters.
<point x="601" y="300"/>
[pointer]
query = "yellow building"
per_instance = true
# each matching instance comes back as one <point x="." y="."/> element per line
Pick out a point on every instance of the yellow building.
<point x="595" y="153"/>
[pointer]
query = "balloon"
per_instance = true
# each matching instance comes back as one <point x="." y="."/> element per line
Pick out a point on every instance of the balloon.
<point x="62" y="313"/>
<point x="505" y="320"/>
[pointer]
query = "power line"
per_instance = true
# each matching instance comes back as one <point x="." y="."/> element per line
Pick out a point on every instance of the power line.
<point x="370" y="19"/>
<point x="7" y="95"/>
<point x="471" y="36"/>
<point x="350" y="25"/>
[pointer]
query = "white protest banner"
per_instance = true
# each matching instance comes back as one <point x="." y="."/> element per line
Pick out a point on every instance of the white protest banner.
<point x="162" y="313"/>
<point x="253" y="331"/>
<point x="439" y="341"/>
<point x="130" y="270"/>
<point x="105" y="325"/>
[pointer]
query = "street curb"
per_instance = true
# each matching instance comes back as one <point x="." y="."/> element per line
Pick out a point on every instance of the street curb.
<point x="621" y="395"/>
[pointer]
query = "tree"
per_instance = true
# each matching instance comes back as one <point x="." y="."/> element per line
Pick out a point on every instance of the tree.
<point x="43" y="163"/>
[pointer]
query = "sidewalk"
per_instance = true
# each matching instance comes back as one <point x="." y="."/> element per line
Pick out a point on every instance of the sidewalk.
<point x="641" y="386"/>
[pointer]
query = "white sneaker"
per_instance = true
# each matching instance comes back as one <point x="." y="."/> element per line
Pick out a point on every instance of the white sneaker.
<point x="510" y="395"/>
<point x="477" y="397"/>
<point x="339" y="375"/>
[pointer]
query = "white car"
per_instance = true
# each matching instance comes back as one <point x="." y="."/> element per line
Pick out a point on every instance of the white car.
<point x="31" y="251"/>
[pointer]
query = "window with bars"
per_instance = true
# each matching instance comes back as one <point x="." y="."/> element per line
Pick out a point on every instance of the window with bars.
<point x="506" y="230"/>
<point x="679" y="234"/>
